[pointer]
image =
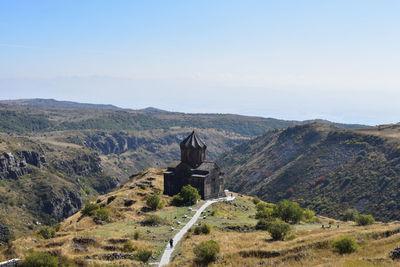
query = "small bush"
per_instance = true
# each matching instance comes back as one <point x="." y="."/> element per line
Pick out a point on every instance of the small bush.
<point x="264" y="210"/>
<point x="47" y="232"/>
<point x="136" y="235"/>
<point x="207" y="251"/>
<point x="187" y="197"/>
<point x="350" y="215"/>
<point x="345" y="245"/>
<point x="90" y="209"/>
<point x="57" y="227"/>
<point x="102" y="214"/>
<point x="144" y="255"/>
<point x="364" y="219"/>
<point x="128" y="247"/>
<point x="154" y="202"/>
<point x="256" y="200"/>
<point x="39" y="259"/>
<point x="203" y="229"/>
<point x="262" y="224"/>
<point x="308" y="215"/>
<point x="153" y="220"/>
<point x="278" y="229"/>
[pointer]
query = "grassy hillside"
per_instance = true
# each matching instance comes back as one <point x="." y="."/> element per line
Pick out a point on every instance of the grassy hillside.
<point x="51" y="115"/>
<point x="127" y="211"/>
<point x="307" y="245"/>
<point x="322" y="167"/>
<point x="61" y="118"/>
<point x="83" y="242"/>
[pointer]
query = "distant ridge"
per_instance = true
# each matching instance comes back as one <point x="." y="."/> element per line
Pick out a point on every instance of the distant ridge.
<point x="154" y="110"/>
<point x="41" y="102"/>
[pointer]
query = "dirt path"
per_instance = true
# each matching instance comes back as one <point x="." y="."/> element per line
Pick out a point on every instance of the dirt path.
<point x="168" y="250"/>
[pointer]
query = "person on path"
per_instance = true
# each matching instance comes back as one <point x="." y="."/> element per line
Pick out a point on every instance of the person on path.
<point x="171" y="242"/>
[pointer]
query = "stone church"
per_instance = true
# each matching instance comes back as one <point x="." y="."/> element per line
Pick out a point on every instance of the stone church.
<point x="193" y="169"/>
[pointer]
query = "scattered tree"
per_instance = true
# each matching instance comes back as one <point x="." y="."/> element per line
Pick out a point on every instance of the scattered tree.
<point x="363" y="219"/>
<point x="203" y="229"/>
<point x="288" y="211"/>
<point x="154" y="202"/>
<point x="350" y="215"/>
<point x="207" y="251"/>
<point x="47" y="232"/>
<point x="90" y="209"/>
<point x="102" y="214"/>
<point x="264" y="210"/>
<point x="39" y="259"/>
<point x="278" y="229"/>
<point x="188" y="196"/>
<point x="308" y="215"/>
<point x="262" y="224"/>
<point x="345" y="245"/>
<point x="144" y="255"/>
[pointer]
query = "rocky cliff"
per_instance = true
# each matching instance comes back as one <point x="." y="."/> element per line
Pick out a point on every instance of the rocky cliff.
<point x="18" y="163"/>
<point x="46" y="182"/>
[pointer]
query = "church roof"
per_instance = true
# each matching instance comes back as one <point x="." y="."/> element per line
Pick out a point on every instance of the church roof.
<point x="192" y="141"/>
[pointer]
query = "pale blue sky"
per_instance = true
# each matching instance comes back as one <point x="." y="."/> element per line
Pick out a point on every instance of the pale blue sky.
<point x="336" y="60"/>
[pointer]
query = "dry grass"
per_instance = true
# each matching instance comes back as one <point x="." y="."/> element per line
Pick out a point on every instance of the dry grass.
<point x="126" y="221"/>
<point x="311" y="246"/>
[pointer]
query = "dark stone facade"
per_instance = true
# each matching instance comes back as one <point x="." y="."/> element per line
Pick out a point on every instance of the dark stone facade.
<point x="194" y="170"/>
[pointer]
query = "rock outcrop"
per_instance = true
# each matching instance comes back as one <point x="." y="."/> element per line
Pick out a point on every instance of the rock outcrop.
<point x="5" y="235"/>
<point x="118" y="143"/>
<point x="15" y="164"/>
<point x="63" y="205"/>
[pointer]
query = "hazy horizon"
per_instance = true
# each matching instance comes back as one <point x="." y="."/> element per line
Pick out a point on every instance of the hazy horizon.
<point x="292" y="60"/>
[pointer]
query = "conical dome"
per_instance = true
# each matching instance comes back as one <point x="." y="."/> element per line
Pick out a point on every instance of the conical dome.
<point x="192" y="141"/>
<point x="193" y="150"/>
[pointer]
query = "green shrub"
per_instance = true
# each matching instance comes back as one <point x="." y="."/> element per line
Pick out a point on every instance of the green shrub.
<point x="345" y="244"/>
<point x="262" y="224"/>
<point x="363" y="219"/>
<point x="102" y="214"/>
<point x="264" y="210"/>
<point x="39" y="259"/>
<point x="187" y="197"/>
<point x="308" y="215"/>
<point x="203" y="229"/>
<point x="153" y="220"/>
<point x="136" y="235"/>
<point x="350" y="215"/>
<point x="288" y="211"/>
<point x="128" y="247"/>
<point x="207" y="251"/>
<point x="90" y="209"/>
<point x="47" y="232"/>
<point x="154" y="202"/>
<point x="57" y="227"/>
<point x="144" y="255"/>
<point x="278" y="229"/>
<point x="256" y="200"/>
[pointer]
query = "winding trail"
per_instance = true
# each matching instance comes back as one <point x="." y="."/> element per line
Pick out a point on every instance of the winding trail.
<point x="168" y="250"/>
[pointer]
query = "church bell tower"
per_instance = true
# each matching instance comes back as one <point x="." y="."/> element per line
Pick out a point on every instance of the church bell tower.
<point x="193" y="150"/>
